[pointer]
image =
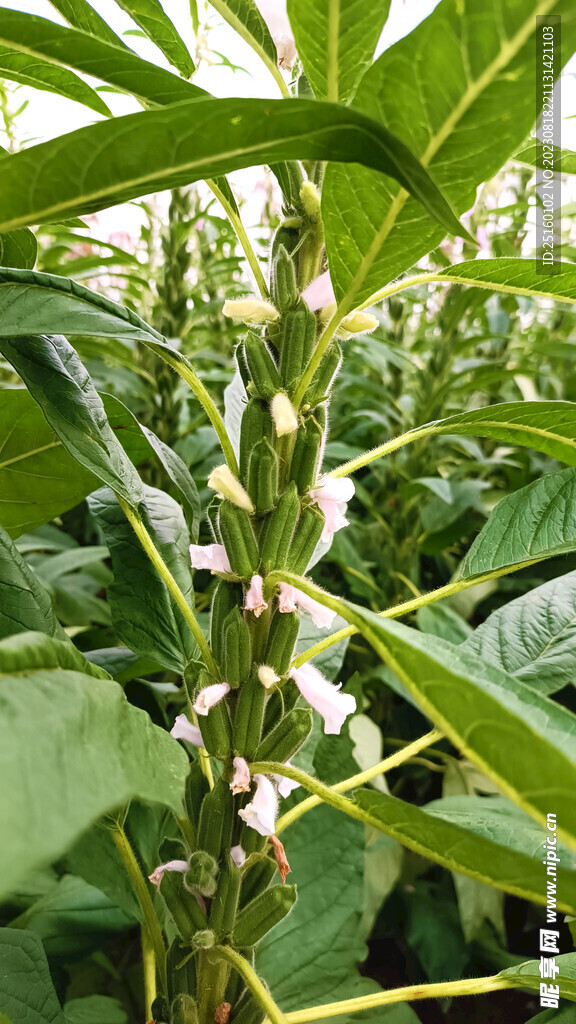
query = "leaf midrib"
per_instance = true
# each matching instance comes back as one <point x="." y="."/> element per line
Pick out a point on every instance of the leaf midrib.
<point x="332" y="51"/>
<point x="509" y="50"/>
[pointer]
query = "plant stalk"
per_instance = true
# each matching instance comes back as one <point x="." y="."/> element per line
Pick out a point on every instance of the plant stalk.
<point x="141" y="889"/>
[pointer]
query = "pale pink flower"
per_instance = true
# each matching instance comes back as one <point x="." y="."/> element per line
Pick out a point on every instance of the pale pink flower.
<point x="241" y="780"/>
<point x="285" y="786"/>
<point x="319" y="293"/>
<point x="209" y="556"/>
<point x="290" y="598"/>
<point x="184" y="730"/>
<point x="324" y="697"/>
<point x="210" y="696"/>
<point x="255" y="598"/>
<point x="276" y="17"/>
<point x="238" y="856"/>
<point x="331" y="495"/>
<point x="171" y="865"/>
<point x="260" y="813"/>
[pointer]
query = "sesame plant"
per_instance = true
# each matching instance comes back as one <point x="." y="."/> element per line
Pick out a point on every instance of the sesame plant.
<point x="181" y="812"/>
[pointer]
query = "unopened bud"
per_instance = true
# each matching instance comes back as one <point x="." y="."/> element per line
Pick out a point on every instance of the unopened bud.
<point x="251" y="311"/>
<point x="267" y="676"/>
<point x="283" y="414"/>
<point x="223" y="481"/>
<point x="310" y="197"/>
<point x="357" y="323"/>
<point x="204" y="939"/>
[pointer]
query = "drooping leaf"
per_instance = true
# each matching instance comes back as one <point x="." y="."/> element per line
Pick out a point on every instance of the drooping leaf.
<point x="61" y="386"/>
<point x="246" y="20"/>
<point x="516" y="276"/>
<point x="175" y="146"/>
<point x="177" y="471"/>
<point x="24" y="603"/>
<point x="80" y="14"/>
<point x="144" y="614"/>
<point x="483" y="55"/>
<point x="27" y="70"/>
<point x="113" y="752"/>
<point x="335" y="40"/>
<point x="153" y="20"/>
<point x="18" y="248"/>
<point x="533" y="523"/>
<point x="27" y="994"/>
<point x="533" y="637"/>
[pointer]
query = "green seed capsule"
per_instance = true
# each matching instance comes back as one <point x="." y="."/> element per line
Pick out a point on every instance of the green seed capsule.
<point x="183" y="905"/>
<point x="216" y="820"/>
<point x="242" y="368"/>
<point x="298" y="336"/>
<point x="237" y="648"/>
<point x="226" y="597"/>
<point x="256" y="424"/>
<point x="324" y="377"/>
<point x="216" y="728"/>
<point x="306" y="455"/>
<point x="307" y="535"/>
<point x="290" y="179"/>
<point x="261" y="915"/>
<point x="225" y="902"/>
<point x="262" y="477"/>
<point x="283" y="281"/>
<point x="248" y="1010"/>
<point x="196" y="789"/>
<point x="288" y="736"/>
<point x="252" y="841"/>
<point x="181" y="971"/>
<point x="281" y="641"/>
<point x="257" y="878"/>
<point x="249" y="717"/>
<point x="160" y="1009"/>
<point x="183" y="1010"/>
<point x="261" y="366"/>
<point x="279" y="530"/>
<point x="239" y="540"/>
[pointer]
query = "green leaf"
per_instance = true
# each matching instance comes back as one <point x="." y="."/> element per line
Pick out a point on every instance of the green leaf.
<point x="153" y="20"/>
<point x="564" y="159"/>
<point x="483" y="55"/>
<point x="517" y="276"/>
<point x="60" y="384"/>
<point x="80" y="14"/>
<point x="527" y="975"/>
<point x="144" y="614"/>
<point x="177" y="471"/>
<point x="473" y="839"/>
<point x="24" y="603"/>
<point x="534" y="636"/>
<point x="533" y="523"/>
<point x="335" y="40"/>
<point x="94" y="1010"/>
<point x="175" y="146"/>
<point x="246" y="20"/>
<point x="112" y="62"/>
<point x="113" y="753"/>
<point x="27" y="994"/>
<point x="95" y="858"/>
<point x="18" y="249"/>
<point x="40" y="74"/>
<point x="488" y="714"/>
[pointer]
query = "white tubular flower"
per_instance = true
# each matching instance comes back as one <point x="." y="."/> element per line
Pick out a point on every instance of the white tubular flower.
<point x="184" y="730"/>
<point x="283" y="414"/>
<point x="238" y="856"/>
<point x="241" y="779"/>
<point x="319" y="293"/>
<point x="255" y="598"/>
<point x="223" y="481"/>
<point x="332" y="495"/>
<point x="251" y="311"/>
<point x="209" y="556"/>
<point x="260" y="813"/>
<point x="267" y="676"/>
<point x="171" y="865"/>
<point x="290" y="598"/>
<point x="210" y="696"/>
<point x="276" y="17"/>
<point x="285" y="786"/>
<point x="324" y="697"/>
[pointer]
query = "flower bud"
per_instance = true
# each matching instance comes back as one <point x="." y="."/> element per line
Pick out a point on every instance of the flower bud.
<point x="223" y="481"/>
<point x="283" y="414"/>
<point x="357" y="323"/>
<point x="267" y="676"/>
<point x="202" y="873"/>
<point x="251" y="311"/>
<point x="310" y="197"/>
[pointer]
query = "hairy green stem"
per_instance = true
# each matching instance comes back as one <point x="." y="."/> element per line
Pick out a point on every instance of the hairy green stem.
<point x="167" y="578"/>
<point x="323" y="343"/>
<point x="149" y="971"/>
<point x="141" y="889"/>
<point x="358" y="780"/>
<point x="275" y="1015"/>
<point x="242" y="237"/>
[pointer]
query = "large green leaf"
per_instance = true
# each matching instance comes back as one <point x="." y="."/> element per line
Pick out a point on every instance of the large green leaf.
<point x="153" y="20"/>
<point x="533" y="523"/>
<point x="527" y="975"/>
<point x="534" y="636"/>
<point x="111" y="62"/>
<point x="175" y="146"/>
<point x="80" y="14"/>
<point x="144" y="614"/>
<point x="24" y="603"/>
<point x="60" y="384"/>
<point x="94" y="1010"/>
<point x="473" y="839"/>
<point x="40" y="74"/>
<point x="336" y="40"/>
<point x="564" y="159"/>
<point x="72" y="749"/>
<point x="27" y="994"/>
<point x="483" y="56"/>
<point x="246" y="20"/>
<point x="517" y="276"/>
<point x="95" y="858"/>
<point x="18" y="248"/>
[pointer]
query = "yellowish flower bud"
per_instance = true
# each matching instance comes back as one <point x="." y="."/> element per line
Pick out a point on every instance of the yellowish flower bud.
<point x="267" y="676"/>
<point x="310" y="197"/>
<point x="226" y="484"/>
<point x="357" y="323"/>
<point x="251" y="311"/>
<point x="283" y="414"/>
